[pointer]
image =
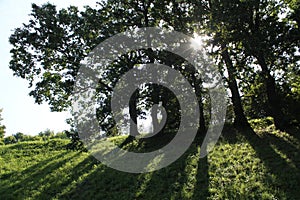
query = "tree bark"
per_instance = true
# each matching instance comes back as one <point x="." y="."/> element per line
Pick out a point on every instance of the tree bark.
<point x="240" y="119"/>
<point x="272" y="96"/>
<point x="133" y="114"/>
<point x="197" y="87"/>
<point x="154" y="110"/>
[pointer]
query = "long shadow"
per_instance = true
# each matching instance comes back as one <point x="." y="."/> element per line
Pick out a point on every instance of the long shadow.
<point x="166" y="183"/>
<point x="176" y="181"/>
<point x="230" y="134"/>
<point x="150" y="144"/>
<point x="103" y="183"/>
<point x="58" y="185"/>
<point x="186" y="178"/>
<point x="289" y="151"/>
<point x="40" y="165"/>
<point x="127" y="141"/>
<point x="30" y="179"/>
<point x="201" y="190"/>
<point x="287" y="177"/>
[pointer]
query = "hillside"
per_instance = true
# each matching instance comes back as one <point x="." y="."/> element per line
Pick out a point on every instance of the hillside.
<point x="264" y="167"/>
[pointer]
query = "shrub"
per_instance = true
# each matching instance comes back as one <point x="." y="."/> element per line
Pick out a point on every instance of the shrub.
<point x="10" y="140"/>
<point x="61" y="135"/>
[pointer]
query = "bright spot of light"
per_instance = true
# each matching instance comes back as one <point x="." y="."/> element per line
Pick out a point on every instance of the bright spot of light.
<point x="198" y="41"/>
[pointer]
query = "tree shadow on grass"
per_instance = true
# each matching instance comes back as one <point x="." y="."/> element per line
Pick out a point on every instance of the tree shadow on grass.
<point x="285" y="146"/>
<point x="201" y="190"/>
<point x="103" y="183"/>
<point x="186" y="178"/>
<point x="229" y="134"/>
<point x="281" y="160"/>
<point x="30" y="180"/>
<point x="62" y="182"/>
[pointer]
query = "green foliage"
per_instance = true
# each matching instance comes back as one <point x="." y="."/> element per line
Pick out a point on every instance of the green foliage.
<point x="261" y="123"/>
<point x="76" y="143"/>
<point x="19" y="136"/>
<point x="46" y="134"/>
<point x="61" y="135"/>
<point x="290" y="94"/>
<point x="10" y="140"/>
<point x="254" y="45"/>
<point x="48" y="49"/>
<point x="72" y="134"/>
<point x="258" y="44"/>
<point x="255" y="100"/>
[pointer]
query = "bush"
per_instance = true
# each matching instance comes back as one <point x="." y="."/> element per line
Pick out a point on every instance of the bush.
<point x="10" y="140"/>
<point x="76" y="143"/>
<point x="31" y="138"/>
<point x="47" y="134"/>
<point x="61" y="135"/>
<point x="19" y="136"/>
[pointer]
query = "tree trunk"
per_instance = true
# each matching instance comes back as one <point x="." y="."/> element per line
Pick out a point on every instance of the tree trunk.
<point x="240" y="119"/>
<point x="154" y="110"/>
<point x="133" y="114"/>
<point x="197" y="87"/>
<point x="155" y="95"/>
<point x="272" y="96"/>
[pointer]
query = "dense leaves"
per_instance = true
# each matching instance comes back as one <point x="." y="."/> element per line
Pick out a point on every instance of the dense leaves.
<point x="256" y="40"/>
<point x="254" y="43"/>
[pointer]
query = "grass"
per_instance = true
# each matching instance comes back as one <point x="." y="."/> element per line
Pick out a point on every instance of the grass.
<point x="242" y="166"/>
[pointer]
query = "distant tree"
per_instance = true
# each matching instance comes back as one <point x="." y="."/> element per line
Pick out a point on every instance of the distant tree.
<point x="46" y="133"/>
<point x="2" y="127"/>
<point x="19" y="136"/>
<point x="10" y="139"/>
<point x="61" y="135"/>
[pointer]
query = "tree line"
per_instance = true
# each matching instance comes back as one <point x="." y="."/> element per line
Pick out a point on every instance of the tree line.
<point x="42" y="136"/>
<point x="21" y="137"/>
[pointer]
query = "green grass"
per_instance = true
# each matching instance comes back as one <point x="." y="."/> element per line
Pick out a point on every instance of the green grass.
<point x="241" y="166"/>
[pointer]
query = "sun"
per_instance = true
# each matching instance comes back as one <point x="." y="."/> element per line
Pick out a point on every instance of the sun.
<point x="198" y="41"/>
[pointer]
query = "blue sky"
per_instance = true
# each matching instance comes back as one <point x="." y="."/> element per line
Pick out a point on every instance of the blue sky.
<point x="20" y="113"/>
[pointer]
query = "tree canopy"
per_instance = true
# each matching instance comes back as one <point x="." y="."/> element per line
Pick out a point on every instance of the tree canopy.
<point x="254" y="43"/>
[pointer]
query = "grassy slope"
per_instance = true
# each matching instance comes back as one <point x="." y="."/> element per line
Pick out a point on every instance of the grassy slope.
<point x="263" y="167"/>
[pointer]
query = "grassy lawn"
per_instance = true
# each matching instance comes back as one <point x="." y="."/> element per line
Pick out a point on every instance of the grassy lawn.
<point x="242" y="166"/>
